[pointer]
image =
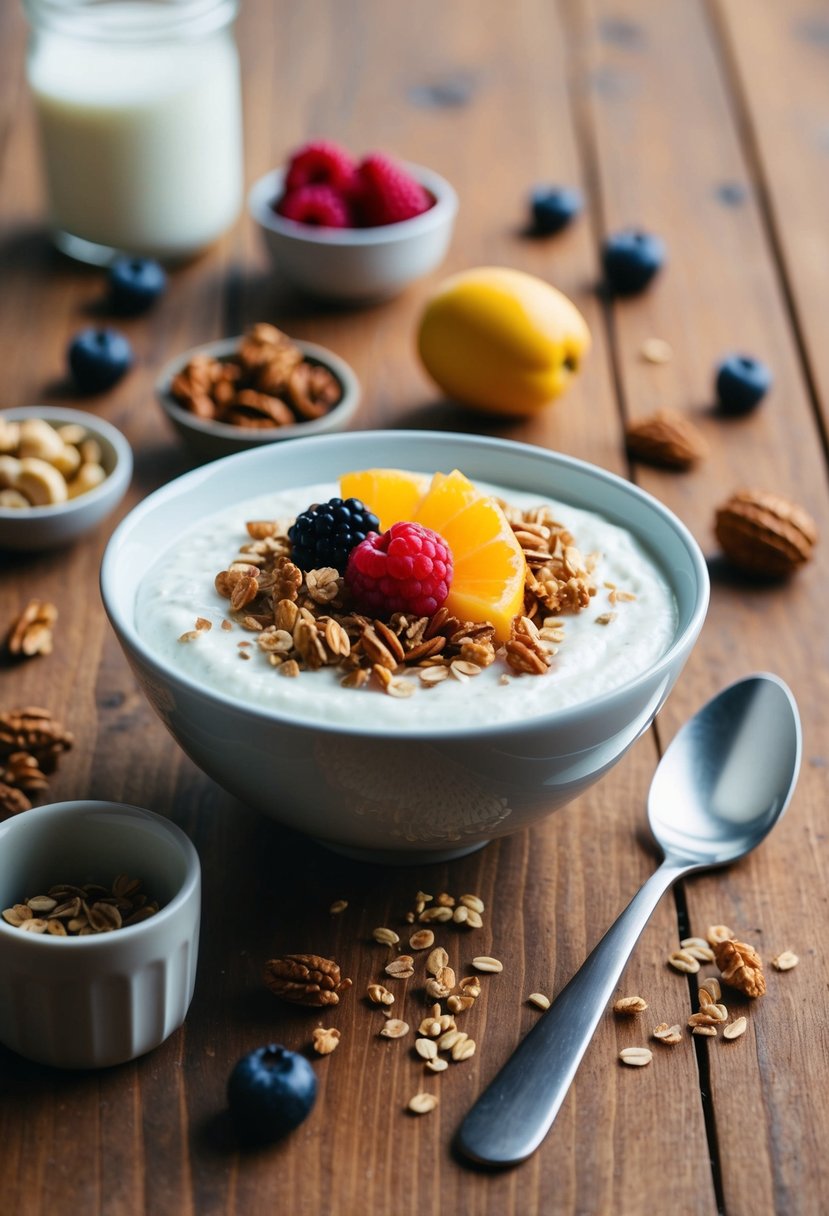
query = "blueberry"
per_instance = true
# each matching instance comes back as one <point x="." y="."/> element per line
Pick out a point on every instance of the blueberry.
<point x="554" y="207"/>
<point x="325" y="534"/>
<point x="630" y="260"/>
<point x="270" y="1091"/>
<point x="742" y="383"/>
<point x="135" y="284"/>
<point x="98" y="359"/>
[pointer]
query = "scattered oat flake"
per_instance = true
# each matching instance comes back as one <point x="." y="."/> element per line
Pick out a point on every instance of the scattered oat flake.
<point x="785" y="961"/>
<point x="422" y="1104"/>
<point x="630" y="1004"/>
<point x="338" y="906"/>
<point x="656" y="350"/>
<point x="636" y="1057"/>
<point x="734" y="1029"/>
<point x="539" y="1000"/>
<point x="227" y="625"/>
<point x="189" y="636"/>
<point x="606" y="618"/>
<point x="203" y="625"/>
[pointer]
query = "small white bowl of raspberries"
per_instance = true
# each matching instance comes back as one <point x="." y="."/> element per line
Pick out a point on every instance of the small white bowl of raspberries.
<point x="353" y="230"/>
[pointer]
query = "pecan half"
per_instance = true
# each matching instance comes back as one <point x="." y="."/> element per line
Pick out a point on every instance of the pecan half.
<point x="305" y="979"/>
<point x="31" y="631"/>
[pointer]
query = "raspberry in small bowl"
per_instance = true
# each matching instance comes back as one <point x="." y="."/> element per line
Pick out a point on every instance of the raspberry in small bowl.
<point x="353" y="230"/>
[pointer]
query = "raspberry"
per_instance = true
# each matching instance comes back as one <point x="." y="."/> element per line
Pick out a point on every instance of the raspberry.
<point x="319" y="206"/>
<point x="386" y="193"/>
<point x="321" y="163"/>
<point x="325" y="534"/>
<point x="407" y="569"/>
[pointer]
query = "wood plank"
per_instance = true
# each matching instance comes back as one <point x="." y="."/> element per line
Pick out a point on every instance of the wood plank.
<point x="786" y="115"/>
<point x="722" y="290"/>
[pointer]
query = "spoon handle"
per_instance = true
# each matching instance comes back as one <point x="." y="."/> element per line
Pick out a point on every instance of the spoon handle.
<point x="514" y="1114"/>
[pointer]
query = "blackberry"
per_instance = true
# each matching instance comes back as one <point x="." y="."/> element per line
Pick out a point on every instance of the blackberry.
<point x="325" y="534"/>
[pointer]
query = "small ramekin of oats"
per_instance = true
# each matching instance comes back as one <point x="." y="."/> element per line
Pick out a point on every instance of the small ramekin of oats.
<point x="99" y="927"/>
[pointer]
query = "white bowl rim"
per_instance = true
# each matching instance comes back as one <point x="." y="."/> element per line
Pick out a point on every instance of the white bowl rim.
<point x="82" y="806"/>
<point x="263" y="192"/>
<point x="117" y="478"/>
<point x="569" y="715"/>
<point x="339" y="415"/>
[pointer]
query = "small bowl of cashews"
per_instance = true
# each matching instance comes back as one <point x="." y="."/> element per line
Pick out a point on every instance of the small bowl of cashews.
<point x="61" y="472"/>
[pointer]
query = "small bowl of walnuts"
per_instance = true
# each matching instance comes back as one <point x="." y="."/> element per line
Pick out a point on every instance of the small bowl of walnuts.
<point x="239" y="393"/>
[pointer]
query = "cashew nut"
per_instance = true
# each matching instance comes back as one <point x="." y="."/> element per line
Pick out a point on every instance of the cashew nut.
<point x="68" y="460"/>
<point x="39" y="439"/>
<point x="41" y="483"/>
<point x="9" y="472"/>
<point x="9" y="436"/>
<point x="87" y="478"/>
<point x="13" y="498"/>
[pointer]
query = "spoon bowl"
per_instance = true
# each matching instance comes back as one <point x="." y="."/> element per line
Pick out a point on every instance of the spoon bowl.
<point x="721" y="786"/>
<point x="728" y="774"/>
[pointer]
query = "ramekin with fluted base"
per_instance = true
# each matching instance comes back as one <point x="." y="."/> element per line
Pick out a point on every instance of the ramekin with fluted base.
<point x="102" y="999"/>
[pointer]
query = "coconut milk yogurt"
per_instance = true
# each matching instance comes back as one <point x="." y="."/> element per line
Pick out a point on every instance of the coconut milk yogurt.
<point x="592" y="659"/>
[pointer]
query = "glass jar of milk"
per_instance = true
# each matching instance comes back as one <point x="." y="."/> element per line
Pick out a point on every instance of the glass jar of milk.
<point x="140" y="115"/>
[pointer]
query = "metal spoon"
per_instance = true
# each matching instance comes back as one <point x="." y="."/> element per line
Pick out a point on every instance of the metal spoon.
<point x="721" y="786"/>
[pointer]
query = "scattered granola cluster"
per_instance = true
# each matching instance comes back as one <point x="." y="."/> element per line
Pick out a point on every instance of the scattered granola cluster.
<point x="740" y="967"/>
<point x="82" y="911"/>
<point x="31" y="744"/>
<point x="304" y="621"/>
<point x="267" y="383"/>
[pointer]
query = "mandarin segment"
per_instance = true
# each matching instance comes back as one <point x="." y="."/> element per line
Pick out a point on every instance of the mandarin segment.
<point x="392" y="494"/>
<point x="489" y="565"/>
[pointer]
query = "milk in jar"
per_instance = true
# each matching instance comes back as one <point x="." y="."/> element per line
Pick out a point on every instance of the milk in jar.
<point x="139" y="108"/>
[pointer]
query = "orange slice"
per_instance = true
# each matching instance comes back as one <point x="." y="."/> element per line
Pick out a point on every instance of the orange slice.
<point x="392" y="494"/>
<point x="489" y="566"/>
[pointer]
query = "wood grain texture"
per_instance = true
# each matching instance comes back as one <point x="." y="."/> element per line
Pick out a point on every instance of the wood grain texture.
<point x="638" y="106"/>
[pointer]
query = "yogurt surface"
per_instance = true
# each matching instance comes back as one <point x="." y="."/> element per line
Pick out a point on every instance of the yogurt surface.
<point x="592" y="659"/>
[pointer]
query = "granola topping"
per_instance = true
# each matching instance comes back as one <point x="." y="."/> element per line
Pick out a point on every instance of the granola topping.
<point x="301" y="624"/>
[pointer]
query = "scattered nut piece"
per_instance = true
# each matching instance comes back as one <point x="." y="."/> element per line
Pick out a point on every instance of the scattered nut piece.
<point x="764" y="533"/>
<point x="378" y="994"/>
<point x="437" y="1065"/>
<point x="472" y="901"/>
<point x="394" y="1028"/>
<point x="463" y="1049"/>
<point x="325" y="1040"/>
<point x="484" y="963"/>
<point x="698" y="948"/>
<point x="636" y="1057"/>
<point x="30" y="633"/>
<point x="785" y="961"/>
<point x="705" y="1031"/>
<point x="400" y="968"/>
<point x="539" y="1000"/>
<point x="741" y="966"/>
<point x="427" y="1049"/>
<point x="630" y="1004"/>
<point x="734" y="1029"/>
<point x="667" y="1034"/>
<point x="437" y="960"/>
<point x="422" y="939"/>
<point x="711" y="986"/>
<point x="339" y="905"/>
<point x="422" y="1104"/>
<point x="718" y="933"/>
<point x="386" y="937"/>
<point x="681" y="960"/>
<point x="667" y="438"/>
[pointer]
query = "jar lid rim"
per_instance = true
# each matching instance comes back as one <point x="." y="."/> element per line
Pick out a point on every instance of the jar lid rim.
<point x="131" y="20"/>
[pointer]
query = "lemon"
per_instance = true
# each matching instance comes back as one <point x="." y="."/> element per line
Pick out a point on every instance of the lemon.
<point x="501" y="340"/>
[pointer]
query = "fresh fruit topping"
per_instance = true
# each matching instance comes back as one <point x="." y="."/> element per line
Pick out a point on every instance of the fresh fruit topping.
<point x="631" y="259"/>
<point x="320" y="163"/>
<point x="741" y="384"/>
<point x="386" y="193"/>
<point x="392" y="494"/>
<point x="135" y="284"/>
<point x="502" y="341"/>
<point x="325" y="534"/>
<point x="270" y="1091"/>
<point x="406" y="569"/>
<point x="489" y="565"/>
<point x="318" y="206"/>
<point x="98" y="358"/>
<point x="553" y="208"/>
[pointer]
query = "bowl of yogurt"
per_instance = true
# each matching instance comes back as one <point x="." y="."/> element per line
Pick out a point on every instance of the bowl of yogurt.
<point x="435" y="774"/>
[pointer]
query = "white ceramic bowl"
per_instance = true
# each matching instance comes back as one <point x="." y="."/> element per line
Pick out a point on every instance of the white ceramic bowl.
<point x="209" y="440"/>
<point x="50" y="527"/>
<point x="354" y="265"/>
<point x="387" y="793"/>
<point x="89" y="1002"/>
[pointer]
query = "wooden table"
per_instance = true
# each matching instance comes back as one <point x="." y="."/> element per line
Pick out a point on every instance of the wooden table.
<point x="709" y="124"/>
